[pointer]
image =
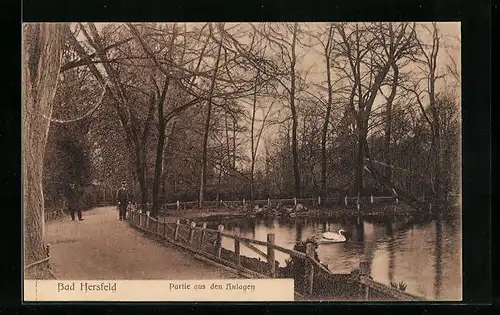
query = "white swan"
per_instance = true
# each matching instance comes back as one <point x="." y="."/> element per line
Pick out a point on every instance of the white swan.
<point x="333" y="237"/>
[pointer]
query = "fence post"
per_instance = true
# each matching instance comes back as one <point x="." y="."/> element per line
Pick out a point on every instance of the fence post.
<point x="364" y="268"/>
<point x="178" y="205"/>
<point x="157" y="226"/>
<point x="176" y="231"/>
<point x="191" y="232"/>
<point x="309" y="269"/>
<point x="319" y="200"/>
<point x="345" y="201"/>
<point x="220" y="229"/>
<point x="269" y="202"/>
<point x="243" y="201"/>
<point x="294" y="201"/>
<point x="371" y="199"/>
<point x="202" y="236"/>
<point x="164" y="227"/>
<point x="237" y="246"/>
<point x="147" y="219"/>
<point x="364" y="273"/>
<point x="140" y="219"/>
<point x="271" y="260"/>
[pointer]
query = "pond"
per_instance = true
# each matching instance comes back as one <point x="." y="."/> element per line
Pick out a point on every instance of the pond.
<point x="425" y="255"/>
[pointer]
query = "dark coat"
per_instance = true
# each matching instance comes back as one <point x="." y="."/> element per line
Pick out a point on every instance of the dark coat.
<point x="122" y="196"/>
<point x="73" y="197"/>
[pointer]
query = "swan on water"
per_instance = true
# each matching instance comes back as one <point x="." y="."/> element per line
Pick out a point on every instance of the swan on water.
<point x="336" y="237"/>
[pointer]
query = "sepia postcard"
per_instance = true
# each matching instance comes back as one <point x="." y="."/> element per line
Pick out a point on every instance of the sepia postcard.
<point x="242" y="161"/>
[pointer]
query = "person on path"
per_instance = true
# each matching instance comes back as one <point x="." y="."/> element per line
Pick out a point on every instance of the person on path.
<point x="122" y="196"/>
<point x="73" y="200"/>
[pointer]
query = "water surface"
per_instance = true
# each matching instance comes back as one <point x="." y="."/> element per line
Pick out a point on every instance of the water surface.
<point x="425" y="255"/>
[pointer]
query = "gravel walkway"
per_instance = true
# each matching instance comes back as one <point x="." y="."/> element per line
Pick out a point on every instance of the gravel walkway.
<point x="101" y="247"/>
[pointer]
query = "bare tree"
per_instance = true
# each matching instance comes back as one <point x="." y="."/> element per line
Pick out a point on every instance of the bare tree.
<point x="136" y="139"/>
<point x="285" y="72"/>
<point x="207" y="122"/>
<point x="365" y="53"/>
<point x="430" y="54"/>
<point x="255" y="136"/>
<point x="325" y="38"/>
<point x="171" y="81"/>
<point x="388" y="120"/>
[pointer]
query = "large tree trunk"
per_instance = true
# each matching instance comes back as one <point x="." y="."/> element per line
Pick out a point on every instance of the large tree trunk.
<point x="387" y="145"/>
<point x="207" y="129"/>
<point x="235" y="124"/>
<point x="141" y="175"/>
<point x="204" y="157"/>
<point x="296" y="171"/>
<point x="323" y="152"/>
<point x="436" y="142"/>
<point x="388" y="125"/>
<point x="162" y="124"/>
<point x="252" y="140"/>
<point x="158" y="169"/>
<point x="327" y="117"/>
<point x="228" y="153"/>
<point x="42" y="48"/>
<point x="360" y="160"/>
<point x="438" y="165"/>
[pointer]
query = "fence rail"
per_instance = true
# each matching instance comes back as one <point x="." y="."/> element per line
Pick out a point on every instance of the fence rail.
<point x="202" y="238"/>
<point x="206" y="244"/>
<point x="312" y="201"/>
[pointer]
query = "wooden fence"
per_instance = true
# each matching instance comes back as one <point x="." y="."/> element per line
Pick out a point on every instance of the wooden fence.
<point x="312" y="202"/>
<point x="313" y="280"/>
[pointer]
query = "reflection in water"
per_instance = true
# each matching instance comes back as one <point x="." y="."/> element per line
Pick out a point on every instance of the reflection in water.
<point x="437" y="282"/>
<point x="298" y="230"/>
<point x="360" y="231"/>
<point x="425" y="255"/>
<point x="390" y="249"/>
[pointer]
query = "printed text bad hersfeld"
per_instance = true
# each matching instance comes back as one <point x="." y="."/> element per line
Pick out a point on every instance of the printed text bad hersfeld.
<point x="86" y="286"/>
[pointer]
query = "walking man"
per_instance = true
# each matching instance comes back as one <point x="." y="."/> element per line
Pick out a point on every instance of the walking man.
<point x="73" y="199"/>
<point x="122" y="196"/>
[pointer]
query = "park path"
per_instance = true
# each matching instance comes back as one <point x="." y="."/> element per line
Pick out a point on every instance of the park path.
<point x="101" y="247"/>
